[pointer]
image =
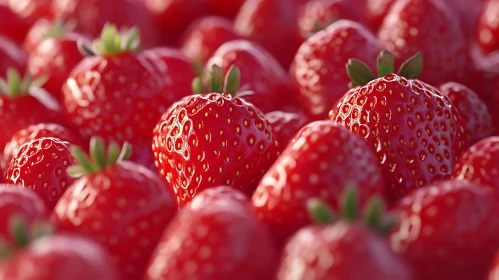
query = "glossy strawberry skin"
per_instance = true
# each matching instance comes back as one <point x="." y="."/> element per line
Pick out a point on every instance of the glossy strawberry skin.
<point x="13" y="26"/>
<point x="348" y="247"/>
<point x="81" y="259"/>
<point x="474" y="113"/>
<point x="225" y="8"/>
<point x="319" y="75"/>
<point x="494" y="269"/>
<point x="11" y="56"/>
<point x="212" y="139"/>
<point x="320" y="161"/>
<point x="261" y="75"/>
<point x="447" y="230"/>
<point x="36" y="131"/>
<point x="376" y="11"/>
<point x="18" y="203"/>
<point x="202" y="240"/>
<point x="205" y="36"/>
<point x="55" y="57"/>
<point x="36" y="107"/>
<point x="429" y="27"/>
<point x="480" y="164"/>
<point x="272" y="24"/>
<point x="124" y="207"/>
<point x="31" y="10"/>
<point x="36" y="34"/>
<point x="415" y="131"/>
<point x="285" y="125"/>
<point x="131" y="92"/>
<point x="41" y="166"/>
<point x="487" y="33"/>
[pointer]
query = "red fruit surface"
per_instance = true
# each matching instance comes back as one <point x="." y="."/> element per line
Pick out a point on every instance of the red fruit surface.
<point x="285" y="125"/>
<point x="13" y="26"/>
<point x="216" y="237"/>
<point x="415" y="131"/>
<point x="31" y="10"/>
<point x="36" y="131"/>
<point x="212" y="139"/>
<point x="376" y="11"/>
<point x="319" y="75"/>
<point x="41" y="166"/>
<point x="60" y="257"/>
<point x="429" y="27"/>
<point x="55" y="57"/>
<point x="321" y="160"/>
<point x="205" y="36"/>
<point x="264" y="83"/>
<point x="341" y="251"/>
<point x="487" y="34"/>
<point x="36" y="34"/>
<point x="19" y="203"/>
<point x="447" y="230"/>
<point x="225" y="8"/>
<point x="11" y="56"/>
<point x="124" y="207"/>
<point x="494" y="269"/>
<point x="272" y="24"/>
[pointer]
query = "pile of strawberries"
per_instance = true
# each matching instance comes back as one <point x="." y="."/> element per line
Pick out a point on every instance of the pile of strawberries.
<point x="249" y="139"/>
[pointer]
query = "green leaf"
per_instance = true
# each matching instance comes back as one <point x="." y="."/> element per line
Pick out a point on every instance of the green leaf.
<point x="82" y="159"/>
<point x="350" y="203"/>
<point x="319" y="212"/>
<point x="198" y="86"/>
<point x="232" y="80"/>
<point x="386" y="63"/>
<point x="359" y="72"/>
<point x="98" y="153"/>
<point x="412" y="67"/>
<point x="216" y="79"/>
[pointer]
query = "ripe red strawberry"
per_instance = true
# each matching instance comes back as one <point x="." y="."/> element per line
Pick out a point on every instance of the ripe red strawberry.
<point x="11" y="56"/>
<point x="429" y="27"/>
<point x="13" y="26"/>
<point x="487" y="32"/>
<point x="120" y="92"/>
<point x="23" y="104"/>
<point x="319" y="14"/>
<point x="205" y="36"/>
<point x="448" y="230"/>
<point x="60" y="257"/>
<point x="476" y="118"/>
<point x="264" y="83"/>
<point x="55" y="57"/>
<point x="225" y="8"/>
<point x="37" y="33"/>
<point x="480" y="163"/>
<point x="213" y="139"/>
<point x="272" y="24"/>
<point x="320" y="161"/>
<point x="376" y="11"/>
<point x="216" y="236"/>
<point x="468" y="12"/>
<point x="319" y="66"/>
<point x="120" y="204"/>
<point x="285" y="125"/>
<point x="493" y="273"/>
<point x="90" y="16"/>
<point x="41" y="166"/>
<point x="31" y="10"/>
<point x="22" y="204"/>
<point x="36" y="131"/>
<point x="348" y="249"/>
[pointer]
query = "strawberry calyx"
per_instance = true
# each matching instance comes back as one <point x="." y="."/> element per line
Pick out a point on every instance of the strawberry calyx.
<point x="373" y="216"/>
<point x="99" y="157"/>
<point x="112" y="42"/>
<point x="14" y="85"/>
<point x="23" y="235"/>
<point x="59" y="28"/>
<point x="217" y="82"/>
<point x="361" y="74"/>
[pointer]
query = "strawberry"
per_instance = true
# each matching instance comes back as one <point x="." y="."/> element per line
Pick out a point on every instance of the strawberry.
<point x="493" y="273"/>
<point x="479" y="164"/>
<point x="213" y="139"/>
<point x="429" y="27"/>
<point x="416" y="132"/>
<point x="119" y="92"/>
<point x="22" y="104"/>
<point x="90" y="16"/>
<point x="376" y="11"/>
<point x="122" y="205"/>
<point x="447" y="230"/>
<point x="264" y="83"/>
<point x="55" y="57"/>
<point x="205" y="36"/>
<point x="13" y="26"/>
<point x="319" y="14"/>
<point x="11" y="56"/>
<point x="18" y="203"/>
<point x="39" y="31"/>
<point x="468" y="12"/>
<point x="476" y="118"/>
<point x="36" y="131"/>
<point x="60" y="257"/>
<point x="225" y="8"/>
<point x="487" y="32"/>
<point x="273" y="24"/>
<point x="31" y="10"/>
<point x="337" y="251"/>
<point x="285" y="125"/>
<point x="319" y="66"/>
<point x="320" y="161"/>
<point x="41" y="166"/>
<point x="216" y="236"/>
